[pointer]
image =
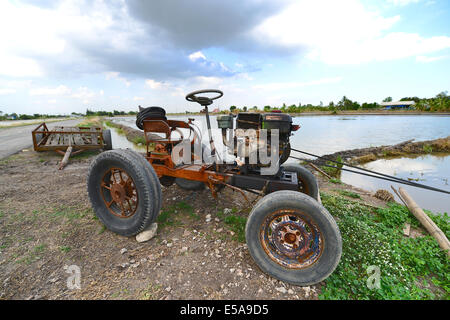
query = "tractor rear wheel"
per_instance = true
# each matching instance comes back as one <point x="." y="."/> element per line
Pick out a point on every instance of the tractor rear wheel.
<point x="293" y="238"/>
<point x="307" y="182"/>
<point x="122" y="192"/>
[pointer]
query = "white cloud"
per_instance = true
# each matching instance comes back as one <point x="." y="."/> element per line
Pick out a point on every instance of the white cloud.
<point x="116" y="75"/>
<point x="138" y="98"/>
<point x="390" y="47"/>
<point x="402" y="2"/>
<point x="154" y="84"/>
<point x="7" y="91"/>
<point x="83" y="93"/>
<point x="293" y="85"/>
<point x="197" y="55"/>
<point x="57" y="91"/>
<point x="346" y="33"/>
<point x="426" y="59"/>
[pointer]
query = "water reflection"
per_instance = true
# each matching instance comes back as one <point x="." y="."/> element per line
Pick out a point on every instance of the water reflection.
<point x="430" y="170"/>
<point x="120" y="141"/>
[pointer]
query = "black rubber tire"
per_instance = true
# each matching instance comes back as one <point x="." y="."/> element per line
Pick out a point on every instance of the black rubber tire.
<point x="167" y="181"/>
<point x="147" y="208"/>
<point x="153" y="177"/>
<point x="287" y="199"/>
<point x="189" y="184"/>
<point x="150" y="112"/>
<point x="307" y="180"/>
<point x="107" y="139"/>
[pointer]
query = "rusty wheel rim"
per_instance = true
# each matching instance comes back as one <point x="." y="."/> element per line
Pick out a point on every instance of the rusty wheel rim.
<point x="291" y="239"/>
<point x="119" y="193"/>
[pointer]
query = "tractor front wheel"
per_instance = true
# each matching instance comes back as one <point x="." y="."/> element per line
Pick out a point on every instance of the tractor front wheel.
<point x="293" y="238"/>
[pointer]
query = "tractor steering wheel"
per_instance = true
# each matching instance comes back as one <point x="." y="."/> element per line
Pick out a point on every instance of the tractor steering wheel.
<point x="204" y="101"/>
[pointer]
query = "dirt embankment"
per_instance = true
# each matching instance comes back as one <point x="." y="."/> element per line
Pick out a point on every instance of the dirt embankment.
<point x="405" y="148"/>
<point x="132" y="135"/>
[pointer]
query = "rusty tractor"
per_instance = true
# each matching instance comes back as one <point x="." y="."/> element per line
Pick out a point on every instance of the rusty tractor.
<point x="289" y="234"/>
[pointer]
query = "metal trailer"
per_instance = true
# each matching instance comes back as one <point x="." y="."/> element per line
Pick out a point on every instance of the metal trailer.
<point x="70" y="140"/>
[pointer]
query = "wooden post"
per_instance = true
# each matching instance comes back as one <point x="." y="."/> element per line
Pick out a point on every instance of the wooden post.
<point x="66" y="157"/>
<point x="320" y="170"/>
<point x="425" y="220"/>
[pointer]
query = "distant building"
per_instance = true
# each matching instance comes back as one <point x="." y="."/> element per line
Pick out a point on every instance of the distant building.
<point x="216" y="110"/>
<point x="397" y="104"/>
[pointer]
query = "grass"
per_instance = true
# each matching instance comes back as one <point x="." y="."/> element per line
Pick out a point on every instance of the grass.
<point x="336" y="171"/>
<point x="411" y="268"/>
<point x="38" y="121"/>
<point x="34" y="254"/>
<point x="235" y="223"/>
<point x="65" y="249"/>
<point x="349" y="194"/>
<point x="139" y="140"/>
<point x="71" y="213"/>
<point x="427" y="148"/>
<point x="93" y="121"/>
<point x="168" y="216"/>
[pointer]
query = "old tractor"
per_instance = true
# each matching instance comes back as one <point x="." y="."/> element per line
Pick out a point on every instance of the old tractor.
<point x="289" y="234"/>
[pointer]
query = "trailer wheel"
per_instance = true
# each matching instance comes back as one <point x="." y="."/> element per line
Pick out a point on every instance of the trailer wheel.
<point x="293" y="238"/>
<point x="107" y="139"/>
<point x="122" y="192"/>
<point x="307" y="182"/>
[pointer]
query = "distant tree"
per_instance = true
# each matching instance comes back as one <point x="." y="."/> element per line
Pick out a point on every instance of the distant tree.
<point x="244" y="109"/>
<point x="415" y="99"/>
<point x="267" y="108"/>
<point x="388" y="99"/>
<point x="232" y="108"/>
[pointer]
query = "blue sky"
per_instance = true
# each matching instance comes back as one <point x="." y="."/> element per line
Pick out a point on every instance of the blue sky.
<point x="70" y="55"/>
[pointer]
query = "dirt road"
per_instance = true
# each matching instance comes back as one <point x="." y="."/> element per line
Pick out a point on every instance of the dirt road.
<point x="15" y="139"/>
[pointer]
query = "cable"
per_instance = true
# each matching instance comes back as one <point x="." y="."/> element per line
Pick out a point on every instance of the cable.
<point x="362" y="169"/>
<point x="381" y="176"/>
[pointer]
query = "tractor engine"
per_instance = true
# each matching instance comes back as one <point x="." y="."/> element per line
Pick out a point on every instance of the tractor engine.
<point x="239" y="140"/>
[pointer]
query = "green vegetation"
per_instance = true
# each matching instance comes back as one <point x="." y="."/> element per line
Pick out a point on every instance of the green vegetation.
<point x="427" y="148"/>
<point x="168" y="216"/>
<point x="410" y="268"/>
<point x="237" y="225"/>
<point x="34" y="254"/>
<point x="65" y="249"/>
<point x="335" y="181"/>
<point x="109" y="113"/>
<point x="349" y="194"/>
<point x="441" y="102"/>
<point x="336" y="171"/>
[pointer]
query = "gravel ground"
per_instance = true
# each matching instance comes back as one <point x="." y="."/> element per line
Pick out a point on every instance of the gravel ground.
<point x="48" y="226"/>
